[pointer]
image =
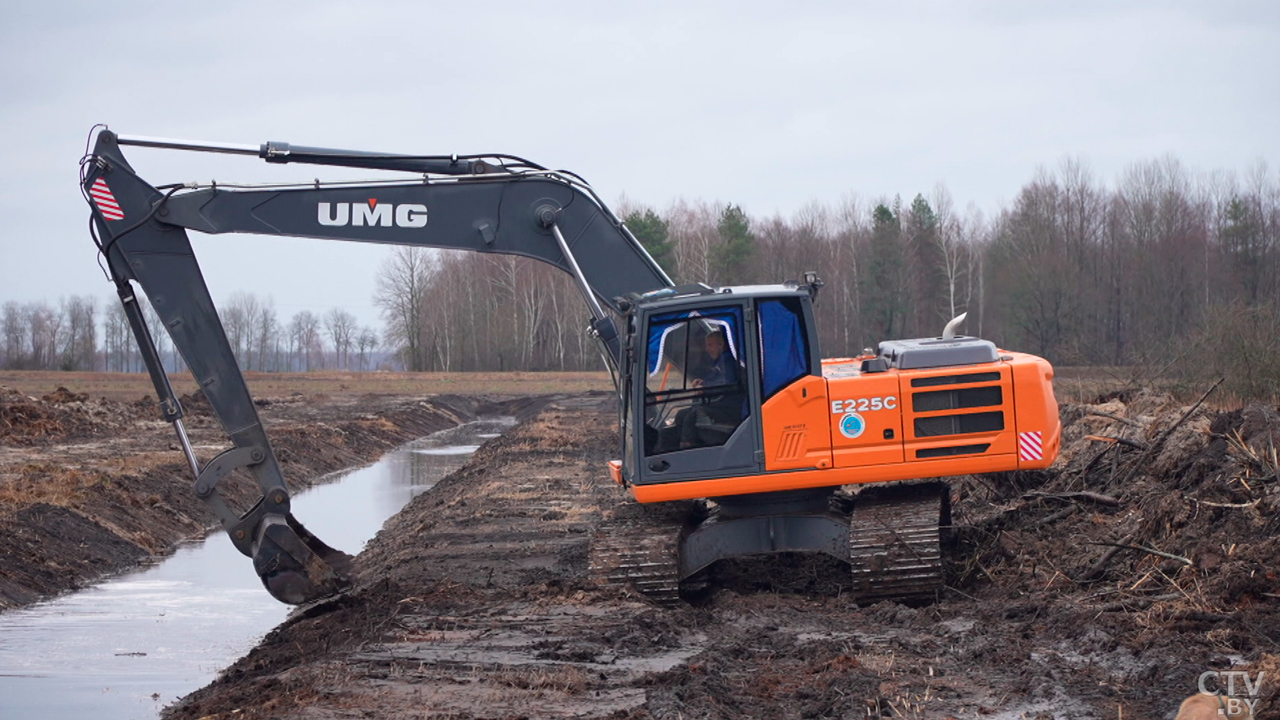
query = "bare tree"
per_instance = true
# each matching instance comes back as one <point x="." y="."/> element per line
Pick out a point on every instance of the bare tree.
<point x="242" y="321"/>
<point x="949" y="237"/>
<point x="341" y="326"/>
<point x="304" y="332"/>
<point x="46" y="329"/>
<point x="975" y="235"/>
<point x="692" y="226"/>
<point x="401" y="289"/>
<point x="266" y="333"/>
<point x="366" y="342"/>
<point x="118" y="341"/>
<point x="13" y="331"/>
<point x="79" y="341"/>
<point x="841" y="326"/>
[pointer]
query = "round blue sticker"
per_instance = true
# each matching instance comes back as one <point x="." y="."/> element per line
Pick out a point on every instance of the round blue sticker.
<point x="852" y="425"/>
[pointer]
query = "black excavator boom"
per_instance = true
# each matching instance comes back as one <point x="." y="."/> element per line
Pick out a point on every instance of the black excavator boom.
<point x="502" y="205"/>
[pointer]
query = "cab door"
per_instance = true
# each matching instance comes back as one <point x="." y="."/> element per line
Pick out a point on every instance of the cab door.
<point x="795" y="427"/>
<point x="700" y="402"/>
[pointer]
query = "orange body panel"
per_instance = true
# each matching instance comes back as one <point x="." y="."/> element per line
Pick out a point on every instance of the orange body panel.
<point x="794" y="480"/>
<point x="1037" y="412"/>
<point x="994" y="383"/>
<point x="865" y="415"/>
<point x="896" y="425"/>
<point x="796" y="432"/>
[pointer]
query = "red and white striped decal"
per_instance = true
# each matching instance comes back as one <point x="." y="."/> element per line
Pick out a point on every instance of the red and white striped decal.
<point x="105" y="201"/>
<point x="1029" y="446"/>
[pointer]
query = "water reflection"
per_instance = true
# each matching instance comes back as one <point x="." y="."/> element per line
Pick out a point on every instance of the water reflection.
<point x="131" y="645"/>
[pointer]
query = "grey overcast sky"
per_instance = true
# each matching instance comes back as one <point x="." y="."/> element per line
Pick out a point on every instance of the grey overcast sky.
<point x="740" y="101"/>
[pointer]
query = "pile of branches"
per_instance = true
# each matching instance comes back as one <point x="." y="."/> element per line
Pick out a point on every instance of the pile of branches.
<point x="1152" y="507"/>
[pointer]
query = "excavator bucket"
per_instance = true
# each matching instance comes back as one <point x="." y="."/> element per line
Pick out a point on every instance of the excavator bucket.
<point x="296" y="567"/>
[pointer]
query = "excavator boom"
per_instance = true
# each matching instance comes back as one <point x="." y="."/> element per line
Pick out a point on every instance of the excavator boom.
<point x="504" y="206"/>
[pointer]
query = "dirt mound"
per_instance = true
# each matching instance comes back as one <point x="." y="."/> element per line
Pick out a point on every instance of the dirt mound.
<point x="61" y="416"/>
<point x="62" y="396"/>
<point x="196" y="404"/>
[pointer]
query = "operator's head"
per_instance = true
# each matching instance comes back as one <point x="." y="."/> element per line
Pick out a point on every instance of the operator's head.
<point x="716" y="344"/>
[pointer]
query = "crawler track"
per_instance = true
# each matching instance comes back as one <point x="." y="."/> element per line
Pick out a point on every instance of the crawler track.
<point x="895" y="547"/>
<point x="639" y="552"/>
<point x="639" y="547"/>
<point x="895" y="543"/>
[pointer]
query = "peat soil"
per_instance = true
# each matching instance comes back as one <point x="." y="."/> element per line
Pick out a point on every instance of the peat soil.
<point x="1101" y="588"/>
<point x="90" y="487"/>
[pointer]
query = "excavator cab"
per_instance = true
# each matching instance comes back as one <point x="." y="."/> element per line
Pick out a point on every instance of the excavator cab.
<point x="702" y="364"/>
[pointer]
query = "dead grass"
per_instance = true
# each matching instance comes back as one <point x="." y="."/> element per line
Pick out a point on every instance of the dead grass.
<point x="567" y="679"/>
<point x="44" y="482"/>
<point x="1075" y="384"/>
<point x="66" y="484"/>
<point x="132" y="386"/>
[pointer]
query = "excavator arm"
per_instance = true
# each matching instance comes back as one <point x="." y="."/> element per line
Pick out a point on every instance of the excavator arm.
<point x="495" y="204"/>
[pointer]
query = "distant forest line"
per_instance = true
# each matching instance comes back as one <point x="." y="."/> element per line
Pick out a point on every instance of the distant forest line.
<point x="1164" y="268"/>
<point x="80" y="333"/>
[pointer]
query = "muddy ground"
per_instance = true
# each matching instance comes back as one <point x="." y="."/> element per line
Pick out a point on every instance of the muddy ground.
<point x="90" y="486"/>
<point x="1102" y="588"/>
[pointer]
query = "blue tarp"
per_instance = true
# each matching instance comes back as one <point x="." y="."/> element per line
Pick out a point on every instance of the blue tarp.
<point x="786" y="356"/>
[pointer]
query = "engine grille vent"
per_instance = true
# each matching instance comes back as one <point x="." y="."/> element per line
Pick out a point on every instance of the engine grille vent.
<point x="989" y="396"/>
<point x="953" y="450"/>
<point x="955" y="379"/>
<point x="959" y="424"/>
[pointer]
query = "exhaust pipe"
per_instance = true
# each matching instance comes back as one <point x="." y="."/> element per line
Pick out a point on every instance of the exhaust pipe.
<point x="949" y="332"/>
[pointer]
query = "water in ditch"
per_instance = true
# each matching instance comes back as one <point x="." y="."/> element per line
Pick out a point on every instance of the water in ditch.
<point x="127" y="647"/>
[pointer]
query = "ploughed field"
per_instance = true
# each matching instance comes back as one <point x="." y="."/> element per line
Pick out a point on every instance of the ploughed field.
<point x="1101" y="588"/>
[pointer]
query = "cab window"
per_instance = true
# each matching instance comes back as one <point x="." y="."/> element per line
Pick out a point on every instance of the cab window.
<point x="695" y="386"/>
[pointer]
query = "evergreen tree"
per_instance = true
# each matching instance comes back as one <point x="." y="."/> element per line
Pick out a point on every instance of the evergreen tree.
<point x="924" y="274"/>
<point x="652" y="232"/>
<point x="883" y="303"/>
<point x="733" y="257"/>
<point x="1245" y="248"/>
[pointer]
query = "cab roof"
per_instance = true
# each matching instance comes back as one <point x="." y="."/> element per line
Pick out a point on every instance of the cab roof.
<point x="701" y="294"/>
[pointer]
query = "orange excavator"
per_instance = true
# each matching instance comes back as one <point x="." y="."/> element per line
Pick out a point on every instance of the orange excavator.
<point x="723" y="396"/>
